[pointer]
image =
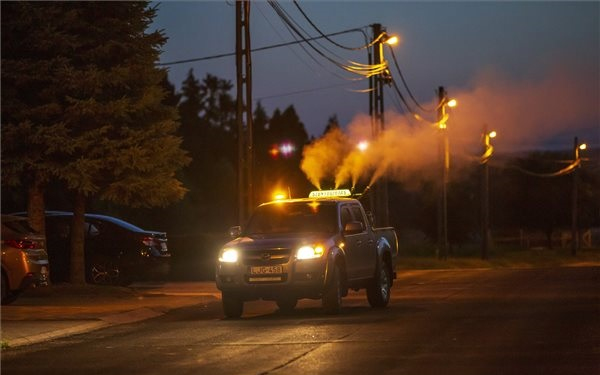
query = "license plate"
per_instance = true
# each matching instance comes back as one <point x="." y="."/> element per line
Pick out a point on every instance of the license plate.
<point x="266" y="270"/>
<point x="163" y="246"/>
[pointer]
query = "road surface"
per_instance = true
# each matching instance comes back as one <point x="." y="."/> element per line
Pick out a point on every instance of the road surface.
<point x="508" y="321"/>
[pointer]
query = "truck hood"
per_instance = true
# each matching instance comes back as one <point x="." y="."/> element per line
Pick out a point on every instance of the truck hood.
<point x="280" y="241"/>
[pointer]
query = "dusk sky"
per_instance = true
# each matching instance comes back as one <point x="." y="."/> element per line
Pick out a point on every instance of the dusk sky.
<point x="528" y="69"/>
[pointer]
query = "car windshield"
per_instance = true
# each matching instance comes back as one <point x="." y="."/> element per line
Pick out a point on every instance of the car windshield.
<point x="293" y="217"/>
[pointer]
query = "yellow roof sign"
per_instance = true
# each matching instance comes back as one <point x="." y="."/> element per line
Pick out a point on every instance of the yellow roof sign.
<point x="330" y="193"/>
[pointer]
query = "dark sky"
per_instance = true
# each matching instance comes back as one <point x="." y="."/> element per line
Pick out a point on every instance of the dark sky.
<point x="528" y="69"/>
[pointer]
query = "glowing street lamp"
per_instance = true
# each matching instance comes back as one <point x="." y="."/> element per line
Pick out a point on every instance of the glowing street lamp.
<point x="488" y="150"/>
<point x="574" y="197"/>
<point x="392" y="40"/>
<point x="362" y="146"/>
<point x="445" y="171"/>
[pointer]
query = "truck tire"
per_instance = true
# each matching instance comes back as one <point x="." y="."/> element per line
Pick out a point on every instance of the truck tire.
<point x="332" y="297"/>
<point x="233" y="306"/>
<point x="378" y="291"/>
<point x="286" y="304"/>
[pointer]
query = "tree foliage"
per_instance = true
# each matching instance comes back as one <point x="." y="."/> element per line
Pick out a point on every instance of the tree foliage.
<point x="82" y="102"/>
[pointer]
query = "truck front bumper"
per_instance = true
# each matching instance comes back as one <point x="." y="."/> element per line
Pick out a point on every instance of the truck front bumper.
<point x="301" y="279"/>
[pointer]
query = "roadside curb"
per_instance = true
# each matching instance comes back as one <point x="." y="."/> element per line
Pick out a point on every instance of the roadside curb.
<point x="102" y="322"/>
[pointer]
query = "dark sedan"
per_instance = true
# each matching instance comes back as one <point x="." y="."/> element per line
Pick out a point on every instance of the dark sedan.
<point x="116" y="252"/>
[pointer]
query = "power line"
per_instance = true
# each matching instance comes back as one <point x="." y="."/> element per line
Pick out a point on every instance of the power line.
<point x="353" y="67"/>
<point x="212" y="57"/>
<point x="366" y="45"/>
<point x="405" y="84"/>
<point x="304" y="91"/>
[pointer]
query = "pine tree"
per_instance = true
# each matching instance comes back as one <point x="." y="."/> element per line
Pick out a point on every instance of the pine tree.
<point x="85" y="104"/>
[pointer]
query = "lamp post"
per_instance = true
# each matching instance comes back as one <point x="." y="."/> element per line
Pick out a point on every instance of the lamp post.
<point x="379" y="202"/>
<point x="444" y="151"/>
<point x="574" y="208"/>
<point x="488" y="150"/>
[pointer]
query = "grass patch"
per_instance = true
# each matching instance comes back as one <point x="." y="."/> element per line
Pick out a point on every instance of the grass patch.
<point x="533" y="258"/>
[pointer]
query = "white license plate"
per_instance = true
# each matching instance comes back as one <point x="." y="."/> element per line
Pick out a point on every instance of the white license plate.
<point x="266" y="270"/>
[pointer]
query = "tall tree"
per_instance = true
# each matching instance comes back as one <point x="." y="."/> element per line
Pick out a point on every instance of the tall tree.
<point x="83" y="89"/>
<point x="332" y="123"/>
<point x="260" y="126"/>
<point x="285" y="172"/>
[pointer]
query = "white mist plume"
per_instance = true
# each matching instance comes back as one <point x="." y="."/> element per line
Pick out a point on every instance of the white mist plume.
<point x="523" y="113"/>
<point x="323" y="157"/>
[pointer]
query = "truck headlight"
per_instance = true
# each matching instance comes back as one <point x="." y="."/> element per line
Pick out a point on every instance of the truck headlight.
<point x="229" y="255"/>
<point x="310" y="252"/>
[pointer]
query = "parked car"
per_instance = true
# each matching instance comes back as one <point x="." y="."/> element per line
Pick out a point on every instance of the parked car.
<point x="24" y="257"/>
<point x="116" y="252"/>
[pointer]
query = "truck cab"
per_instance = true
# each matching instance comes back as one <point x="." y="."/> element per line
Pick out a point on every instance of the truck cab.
<point x="316" y="247"/>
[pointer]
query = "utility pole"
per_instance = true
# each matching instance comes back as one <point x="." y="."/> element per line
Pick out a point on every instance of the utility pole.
<point x="444" y="172"/>
<point x="243" y="64"/>
<point x="380" y="202"/>
<point x="485" y="195"/>
<point x="574" y="198"/>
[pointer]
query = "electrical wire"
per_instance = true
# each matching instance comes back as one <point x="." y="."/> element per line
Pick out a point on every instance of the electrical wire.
<point x="294" y="35"/>
<point x="410" y="110"/>
<point x="300" y="58"/>
<point x="365" y="70"/>
<point x="304" y="91"/>
<point x="366" y="45"/>
<point x="405" y="84"/>
<point x="212" y="57"/>
<point x="564" y="171"/>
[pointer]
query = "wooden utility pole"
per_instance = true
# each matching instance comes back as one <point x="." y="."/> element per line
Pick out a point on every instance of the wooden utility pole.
<point x="574" y="201"/>
<point x="485" y="195"/>
<point x="243" y="64"/>
<point x="376" y="110"/>
<point x="445" y="167"/>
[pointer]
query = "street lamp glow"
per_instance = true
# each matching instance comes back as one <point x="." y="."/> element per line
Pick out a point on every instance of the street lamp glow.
<point x="393" y="40"/>
<point x="583" y="146"/>
<point x="452" y="103"/>
<point x="362" y="145"/>
<point x="493" y="134"/>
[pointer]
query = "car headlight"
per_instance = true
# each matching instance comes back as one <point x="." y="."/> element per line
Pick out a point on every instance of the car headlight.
<point x="310" y="252"/>
<point x="229" y="255"/>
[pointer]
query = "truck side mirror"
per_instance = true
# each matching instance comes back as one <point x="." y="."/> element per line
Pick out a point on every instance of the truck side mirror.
<point x="235" y="232"/>
<point x="353" y="227"/>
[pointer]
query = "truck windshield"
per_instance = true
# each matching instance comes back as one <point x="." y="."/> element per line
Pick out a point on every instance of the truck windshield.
<point x="293" y="217"/>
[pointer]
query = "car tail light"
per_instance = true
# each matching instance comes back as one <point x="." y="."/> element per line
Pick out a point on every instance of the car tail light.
<point x="148" y="241"/>
<point x="23" y="244"/>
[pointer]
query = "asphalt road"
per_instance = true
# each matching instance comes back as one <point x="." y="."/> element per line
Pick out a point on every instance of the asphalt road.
<point x="527" y="321"/>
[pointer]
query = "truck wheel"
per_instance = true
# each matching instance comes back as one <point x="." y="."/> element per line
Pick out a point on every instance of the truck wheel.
<point x="287" y="304"/>
<point x="232" y="306"/>
<point x="378" y="292"/>
<point x="332" y="298"/>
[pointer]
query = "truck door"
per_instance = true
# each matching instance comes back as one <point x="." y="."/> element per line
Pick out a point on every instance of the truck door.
<point x="357" y="246"/>
<point x="368" y="254"/>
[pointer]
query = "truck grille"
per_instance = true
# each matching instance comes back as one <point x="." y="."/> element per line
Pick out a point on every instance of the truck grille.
<point x="266" y="257"/>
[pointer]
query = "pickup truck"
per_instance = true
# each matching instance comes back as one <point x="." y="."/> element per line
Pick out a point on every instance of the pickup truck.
<point x="317" y="247"/>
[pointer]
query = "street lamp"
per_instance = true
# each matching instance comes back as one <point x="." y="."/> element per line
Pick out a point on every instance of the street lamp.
<point x="392" y="40"/>
<point x="577" y="147"/>
<point x="379" y="200"/>
<point x="362" y="146"/>
<point x="488" y="150"/>
<point x="445" y="168"/>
